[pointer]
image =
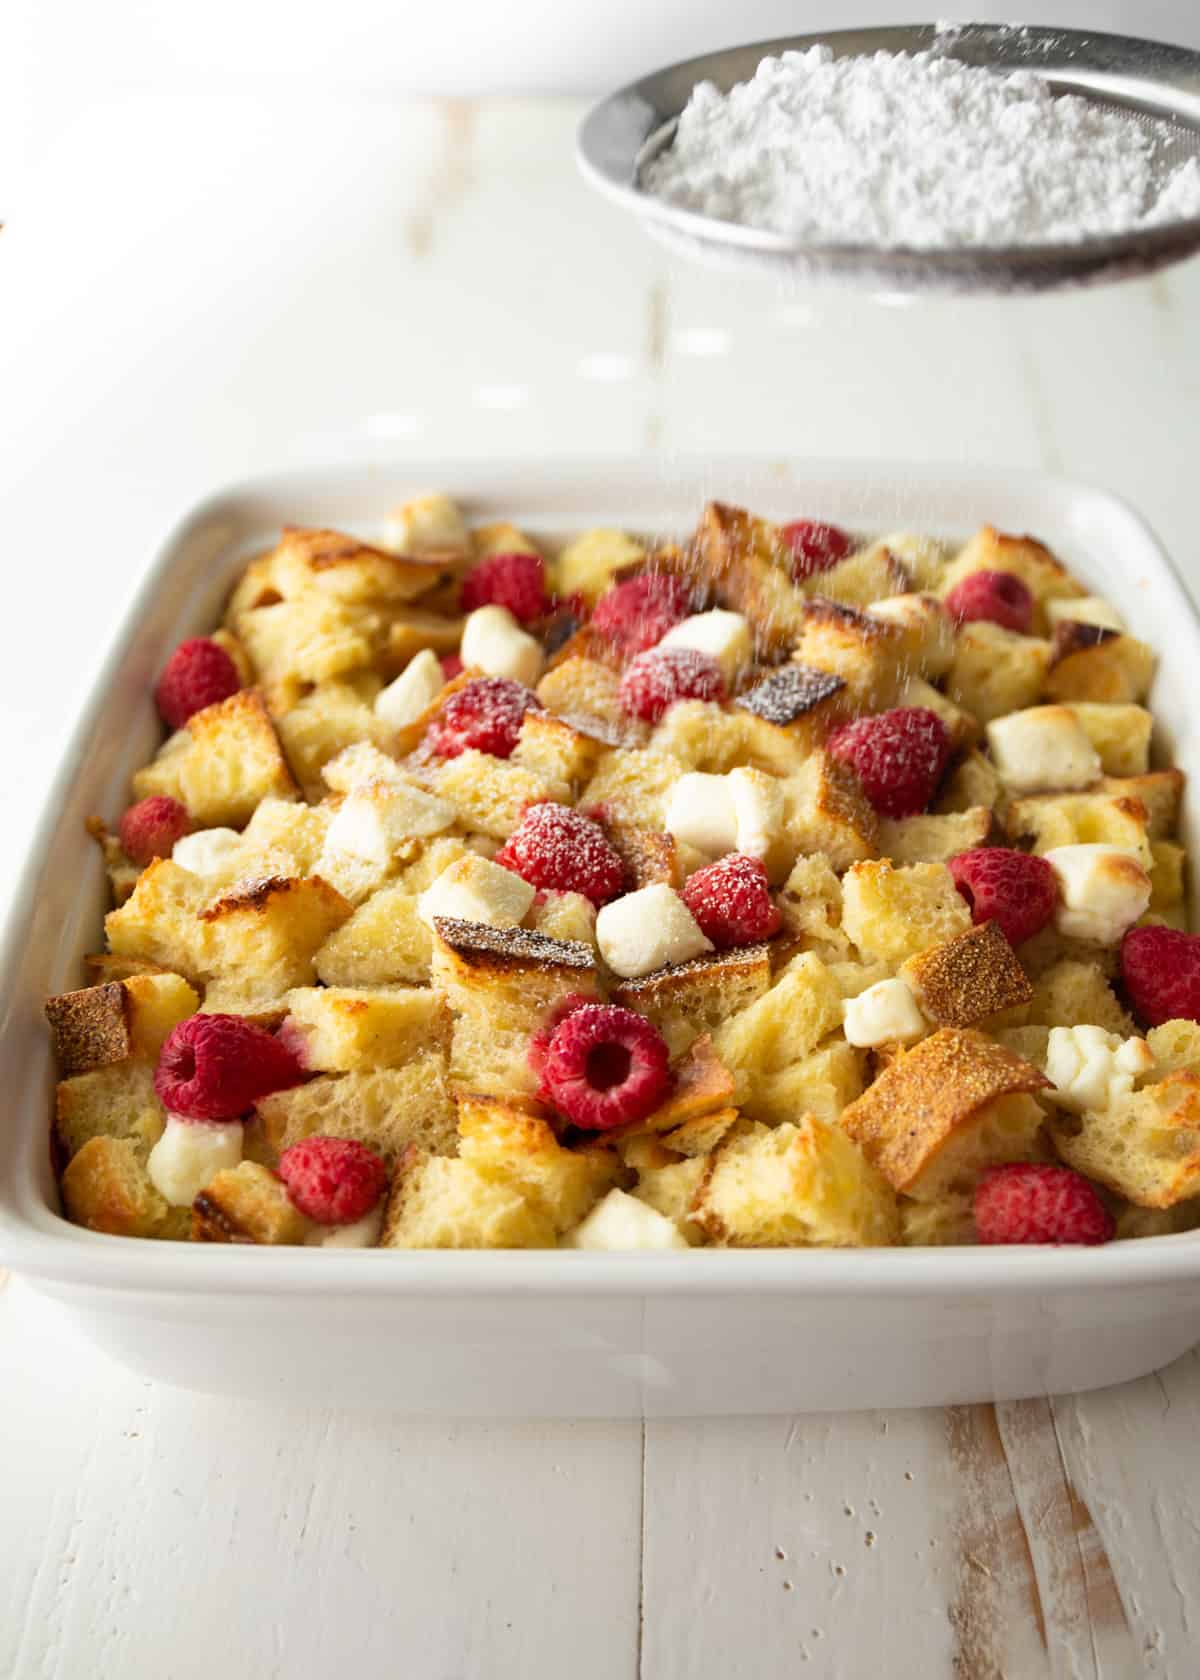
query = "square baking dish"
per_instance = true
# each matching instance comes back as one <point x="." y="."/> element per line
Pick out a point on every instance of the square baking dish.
<point x="571" y="1333"/>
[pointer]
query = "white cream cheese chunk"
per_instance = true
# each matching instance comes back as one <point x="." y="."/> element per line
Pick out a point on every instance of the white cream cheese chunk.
<point x="1043" y="750"/>
<point x="1092" y="1068"/>
<point x="723" y="636"/>
<point x="1103" y="890"/>
<point x="361" y="1233"/>
<point x="473" y="889"/>
<point x="885" y="1013"/>
<point x="647" y="930"/>
<point x="207" y="852"/>
<point x="189" y="1155"/>
<point x="758" y="810"/>
<point x="494" y="643"/>
<point x="621" y="1221"/>
<point x="701" y="813"/>
<point x="415" y="689"/>
<point x="428" y="522"/>
<point x="375" y="818"/>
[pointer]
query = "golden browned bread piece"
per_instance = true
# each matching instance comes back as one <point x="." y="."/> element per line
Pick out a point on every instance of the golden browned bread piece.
<point x="491" y="794"/>
<point x="811" y="906"/>
<point x="160" y="922"/>
<point x="221" y="763"/>
<point x="632" y="784"/>
<point x="782" y="1027"/>
<point x="335" y="1028"/>
<point x="263" y="938"/>
<point x="701" y="1086"/>
<point x="703" y="735"/>
<point x="437" y="1202"/>
<point x="972" y="783"/>
<point x="929" y="838"/>
<point x="968" y="978"/>
<point x="549" y="748"/>
<point x="117" y="1101"/>
<point x="802" y="1185"/>
<point x="872" y="574"/>
<point x="1160" y="792"/>
<point x="320" y="725"/>
<point x="386" y="1108"/>
<point x="585" y="692"/>
<point x="1046" y="820"/>
<point x="944" y="1223"/>
<point x="956" y="1103"/>
<point x="858" y="647"/>
<point x="745" y="563"/>
<point x="341" y="566"/>
<point x="695" y="997"/>
<point x="383" y="943"/>
<point x="247" y="1204"/>
<point x="105" y="1187"/>
<point x="828" y="812"/>
<point x="793" y="709"/>
<point x="508" y="1145"/>
<point x="1119" y="733"/>
<point x="996" y="671"/>
<point x="1077" y="994"/>
<point x="1089" y="662"/>
<point x="893" y="914"/>
<point x="823" y="1083"/>
<point x="1145" y="1146"/>
<point x="107" y="1023"/>
<point x="650" y="856"/>
<point x="508" y="977"/>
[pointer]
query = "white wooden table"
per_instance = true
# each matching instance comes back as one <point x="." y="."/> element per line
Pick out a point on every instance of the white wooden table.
<point x="196" y="292"/>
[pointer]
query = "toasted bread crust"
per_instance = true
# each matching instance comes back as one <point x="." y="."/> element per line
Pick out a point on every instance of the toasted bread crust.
<point x="968" y="978"/>
<point x="510" y="950"/>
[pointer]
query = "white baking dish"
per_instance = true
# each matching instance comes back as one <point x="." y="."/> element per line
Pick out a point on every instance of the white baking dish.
<point x="571" y="1333"/>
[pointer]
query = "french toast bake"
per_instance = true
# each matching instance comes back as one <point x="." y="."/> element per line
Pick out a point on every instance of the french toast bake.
<point x="771" y="888"/>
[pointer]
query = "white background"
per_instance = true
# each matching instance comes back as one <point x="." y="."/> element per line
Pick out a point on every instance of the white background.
<point x="57" y="57"/>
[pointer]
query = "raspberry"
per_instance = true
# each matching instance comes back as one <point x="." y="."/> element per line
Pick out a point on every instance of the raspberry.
<point x="485" y="714"/>
<point x="900" y="757"/>
<point x="638" y="613"/>
<point x="333" y="1180"/>
<point x="198" y="674"/>
<point x="215" y="1067"/>
<point x="539" y="1043"/>
<point x="815" y="547"/>
<point x="999" y="597"/>
<point x="451" y="666"/>
<point x="606" y="1067"/>
<point x="1016" y="890"/>
<point x="658" y="678"/>
<point x="150" y="828"/>
<point x="515" y="581"/>
<point x="731" y="900"/>
<point x="1161" y="970"/>
<point x="1026" y="1203"/>
<point x="554" y="846"/>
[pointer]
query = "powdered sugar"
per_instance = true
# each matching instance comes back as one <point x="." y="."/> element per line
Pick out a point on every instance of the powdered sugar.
<point x="915" y="150"/>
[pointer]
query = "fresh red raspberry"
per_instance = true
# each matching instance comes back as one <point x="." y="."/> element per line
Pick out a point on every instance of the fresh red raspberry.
<point x="515" y="581"/>
<point x="485" y="714"/>
<point x="900" y="757"/>
<point x="198" y="674"/>
<point x="554" y="846"/>
<point x="452" y="666"/>
<point x="731" y="900"/>
<point x="1029" y="1203"/>
<point x="1161" y="970"/>
<point x="215" y="1067"/>
<point x="606" y="1067"/>
<point x="815" y="547"/>
<point x="539" y="1043"/>
<point x="1000" y="597"/>
<point x="658" y="678"/>
<point x="150" y="828"/>
<point x="638" y="613"/>
<point x="333" y="1180"/>
<point x="1016" y="890"/>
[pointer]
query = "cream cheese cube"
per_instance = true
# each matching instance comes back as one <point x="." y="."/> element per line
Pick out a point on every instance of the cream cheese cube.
<point x="377" y="817"/>
<point x="207" y="852"/>
<point x="425" y="524"/>
<point x="1092" y="1068"/>
<point x="1085" y="609"/>
<point x="494" y="643"/>
<point x="189" y="1155"/>
<point x="416" y="688"/>
<point x="885" y="1013"/>
<point x="1102" y="891"/>
<point x="1043" y="750"/>
<point x="722" y="635"/>
<point x="758" y="810"/>
<point x="474" y="889"/>
<point x="701" y="813"/>
<point x="621" y="1221"/>
<point x="361" y="1233"/>
<point x="648" y="930"/>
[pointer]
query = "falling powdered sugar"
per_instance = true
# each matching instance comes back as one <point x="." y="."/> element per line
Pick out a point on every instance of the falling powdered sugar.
<point x="915" y="150"/>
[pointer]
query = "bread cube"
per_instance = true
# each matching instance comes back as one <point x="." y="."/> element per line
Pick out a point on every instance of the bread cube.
<point x="507" y="977"/>
<point x="105" y="1187"/>
<point x="990" y="550"/>
<point x="490" y="794"/>
<point x="340" y="567"/>
<point x="996" y="671"/>
<point x="550" y="749"/>
<point x="383" y="943"/>
<point x="748" y="568"/>
<point x="312" y="638"/>
<point x="1077" y="994"/>
<point x="862" y="579"/>
<point x="967" y="979"/>
<point x="115" y="1101"/>
<point x="1088" y="662"/>
<point x="696" y="997"/>
<point x="104" y="1024"/>
<point x="1160" y="792"/>
<point x="942" y="1224"/>
<point x="594" y="560"/>
<point x="322" y="725"/>
<point x="781" y="1027"/>
<point x="811" y="905"/>
<point x="828" y="812"/>
<point x="1043" y="749"/>
<point x="1145" y="1146"/>
<point x="651" y="856"/>
<point x="1167" y="874"/>
<point x="632" y="785"/>
<point x="510" y="1146"/>
<point x="708" y="737"/>
<point x="429" y="523"/>
<point x="865" y="651"/>
<point x="972" y="783"/>
<point x="386" y="1108"/>
<point x="440" y="1203"/>
<point x="939" y="1115"/>
<point x="802" y="1185"/>
<point x="1047" y="821"/>
<point x="934" y="839"/>
<point x="331" y="1029"/>
<point x="584" y="692"/>
<point x="1176" y="1046"/>
<point x="1119" y="733"/>
<point x="160" y="922"/>
<point x="788" y="714"/>
<point x="668" y="1183"/>
<point x="563" y="915"/>
<point x="822" y="1083"/>
<point x="221" y="763"/>
<point x="247" y="1204"/>
<point x="927" y="632"/>
<point x="892" y="914"/>
<point x="264" y="936"/>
